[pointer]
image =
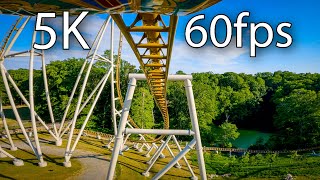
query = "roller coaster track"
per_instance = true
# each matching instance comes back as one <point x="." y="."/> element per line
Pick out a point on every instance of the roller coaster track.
<point x="118" y="84"/>
<point x="153" y="54"/>
<point x="7" y="37"/>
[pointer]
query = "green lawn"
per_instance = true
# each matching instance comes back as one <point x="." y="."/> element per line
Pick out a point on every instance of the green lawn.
<point x="132" y="164"/>
<point x="30" y="170"/>
<point x="264" y="166"/>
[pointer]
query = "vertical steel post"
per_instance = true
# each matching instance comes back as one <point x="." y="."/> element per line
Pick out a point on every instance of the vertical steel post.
<point x="45" y="81"/>
<point x="113" y="103"/>
<point x="14" y="108"/>
<point x="14" y="85"/>
<point x="13" y="147"/>
<point x="96" y="41"/>
<point x="42" y="163"/>
<point x="67" y="162"/>
<point x="195" y="128"/>
<point x="89" y="113"/>
<point x="121" y="128"/>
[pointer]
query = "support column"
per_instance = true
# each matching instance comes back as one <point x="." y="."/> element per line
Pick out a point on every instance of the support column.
<point x="175" y="160"/>
<point x="14" y="85"/>
<point x="156" y="156"/>
<point x="45" y="82"/>
<point x="16" y="162"/>
<point x="194" y="177"/>
<point x="14" y="108"/>
<point x="113" y="103"/>
<point x="42" y="163"/>
<point x="121" y="128"/>
<point x="68" y="163"/>
<point x="96" y="45"/>
<point x="153" y="145"/>
<point x="13" y="147"/>
<point x="195" y="128"/>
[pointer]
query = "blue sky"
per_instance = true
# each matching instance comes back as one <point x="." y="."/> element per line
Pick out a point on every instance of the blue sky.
<point x="302" y="56"/>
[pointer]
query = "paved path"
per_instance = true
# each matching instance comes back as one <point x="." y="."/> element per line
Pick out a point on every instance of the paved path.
<point x="94" y="165"/>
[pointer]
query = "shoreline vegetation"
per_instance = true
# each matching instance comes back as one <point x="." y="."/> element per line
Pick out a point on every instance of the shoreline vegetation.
<point x="285" y="104"/>
<point x="265" y="111"/>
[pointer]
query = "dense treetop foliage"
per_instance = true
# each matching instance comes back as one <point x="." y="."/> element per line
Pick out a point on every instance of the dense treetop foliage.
<point x="284" y="103"/>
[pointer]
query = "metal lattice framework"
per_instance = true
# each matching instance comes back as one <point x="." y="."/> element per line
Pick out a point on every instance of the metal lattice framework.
<point x="153" y="52"/>
<point x="156" y="54"/>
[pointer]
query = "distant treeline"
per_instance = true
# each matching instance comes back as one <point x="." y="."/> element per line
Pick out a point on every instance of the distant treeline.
<point x="284" y="103"/>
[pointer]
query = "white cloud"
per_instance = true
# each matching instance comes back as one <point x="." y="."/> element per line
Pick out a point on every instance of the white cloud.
<point x="208" y="58"/>
<point x="89" y="28"/>
<point x="203" y="59"/>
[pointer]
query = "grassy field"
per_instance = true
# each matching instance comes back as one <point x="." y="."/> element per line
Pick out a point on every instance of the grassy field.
<point x="132" y="163"/>
<point x="31" y="170"/>
<point x="270" y="166"/>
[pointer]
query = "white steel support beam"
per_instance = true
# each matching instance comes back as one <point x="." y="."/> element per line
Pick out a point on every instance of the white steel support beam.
<point x="170" y="77"/>
<point x="70" y="100"/>
<point x="156" y="156"/>
<point x="14" y="108"/>
<point x="94" y="51"/>
<point x="153" y="145"/>
<point x="42" y="163"/>
<point x="195" y="127"/>
<point x="90" y="55"/>
<point x="86" y="102"/>
<point x="175" y="160"/>
<point x="173" y="156"/>
<point x="26" y="102"/>
<point x="45" y="82"/>
<point x="14" y="39"/>
<point x="113" y="103"/>
<point x="68" y="156"/>
<point x="194" y="177"/>
<point x="159" y="131"/>
<point x="16" y="162"/>
<point x="158" y="150"/>
<point x="194" y="132"/>
<point x="4" y="121"/>
<point x="121" y="128"/>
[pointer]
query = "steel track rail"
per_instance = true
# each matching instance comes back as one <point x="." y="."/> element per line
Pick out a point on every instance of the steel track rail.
<point x="155" y="59"/>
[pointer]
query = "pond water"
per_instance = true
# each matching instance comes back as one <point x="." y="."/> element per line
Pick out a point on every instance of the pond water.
<point x="249" y="137"/>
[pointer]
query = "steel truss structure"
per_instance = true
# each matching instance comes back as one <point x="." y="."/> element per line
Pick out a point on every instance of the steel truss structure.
<point x="3" y="153"/>
<point x="7" y="45"/>
<point x="153" y="53"/>
<point x="122" y="130"/>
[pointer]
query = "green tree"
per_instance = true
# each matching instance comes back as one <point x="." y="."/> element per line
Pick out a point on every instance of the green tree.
<point x="229" y="132"/>
<point x="298" y="119"/>
<point x="142" y="108"/>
